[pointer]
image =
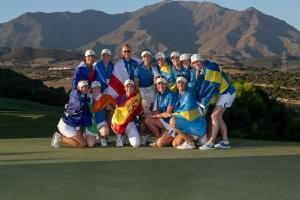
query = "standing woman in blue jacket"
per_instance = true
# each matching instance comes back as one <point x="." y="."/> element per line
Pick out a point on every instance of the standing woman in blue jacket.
<point x="76" y="117"/>
<point x="85" y="70"/>
<point x="215" y="83"/>
<point x="104" y="69"/>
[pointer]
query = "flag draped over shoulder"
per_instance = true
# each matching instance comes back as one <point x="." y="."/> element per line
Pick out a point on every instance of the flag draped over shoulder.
<point x="97" y="106"/>
<point x="191" y="122"/>
<point x="126" y="112"/>
<point x="104" y="101"/>
<point x="119" y="76"/>
<point x="167" y="72"/>
<point x="187" y="116"/>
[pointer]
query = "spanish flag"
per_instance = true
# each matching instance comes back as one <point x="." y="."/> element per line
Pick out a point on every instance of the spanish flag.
<point x="125" y="113"/>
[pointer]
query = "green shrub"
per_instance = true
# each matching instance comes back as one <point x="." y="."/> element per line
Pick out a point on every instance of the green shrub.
<point x="256" y="116"/>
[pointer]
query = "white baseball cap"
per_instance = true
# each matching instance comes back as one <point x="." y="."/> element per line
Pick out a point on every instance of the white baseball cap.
<point x="129" y="81"/>
<point x="160" y="55"/>
<point x="82" y="83"/>
<point x="184" y="56"/>
<point x="196" y="57"/>
<point x="175" y="53"/>
<point x="106" y="51"/>
<point x="161" y="79"/>
<point x="181" y="78"/>
<point x="95" y="84"/>
<point x="146" y="53"/>
<point x="89" y="52"/>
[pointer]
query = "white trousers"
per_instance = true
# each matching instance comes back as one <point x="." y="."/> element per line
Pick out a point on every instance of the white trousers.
<point x="133" y="135"/>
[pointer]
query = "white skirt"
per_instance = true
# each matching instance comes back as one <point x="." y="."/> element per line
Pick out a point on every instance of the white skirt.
<point x="65" y="129"/>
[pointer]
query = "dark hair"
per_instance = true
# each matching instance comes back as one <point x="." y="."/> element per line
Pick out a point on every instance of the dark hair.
<point x="126" y="45"/>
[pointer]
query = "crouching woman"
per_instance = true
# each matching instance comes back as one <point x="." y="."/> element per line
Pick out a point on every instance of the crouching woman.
<point x="187" y="119"/>
<point x="76" y="117"/>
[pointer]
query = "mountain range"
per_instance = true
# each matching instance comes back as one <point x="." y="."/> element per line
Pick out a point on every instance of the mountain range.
<point x="166" y="26"/>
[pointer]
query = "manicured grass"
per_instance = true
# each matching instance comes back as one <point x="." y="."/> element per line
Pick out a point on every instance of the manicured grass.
<point x="26" y="119"/>
<point x="30" y="169"/>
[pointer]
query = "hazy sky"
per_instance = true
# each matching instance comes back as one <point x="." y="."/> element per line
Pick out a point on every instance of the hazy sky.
<point x="287" y="10"/>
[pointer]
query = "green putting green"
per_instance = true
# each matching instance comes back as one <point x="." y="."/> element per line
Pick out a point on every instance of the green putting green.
<point x="30" y="169"/>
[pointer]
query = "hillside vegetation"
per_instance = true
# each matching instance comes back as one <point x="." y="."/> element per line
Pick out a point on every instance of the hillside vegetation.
<point x="15" y="85"/>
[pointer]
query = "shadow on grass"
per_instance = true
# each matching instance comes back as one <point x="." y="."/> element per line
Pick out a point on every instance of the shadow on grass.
<point x="31" y="159"/>
<point x="266" y="177"/>
<point x="22" y="153"/>
<point x="244" y="143"/>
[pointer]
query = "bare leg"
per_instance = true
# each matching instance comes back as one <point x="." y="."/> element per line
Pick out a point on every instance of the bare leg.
<point x="69" y="141"/>
<point x="223" y="129"/>
<point x="76" y="141"/>
<point x="91" y="140"/>
<point x="215" y="118"/>
<point x="80" y="139"/>
<point x="178" y="140"/>
<point x="164" y="140"/>
<point x="154" y="125"/>
<point x="104" y="132"/>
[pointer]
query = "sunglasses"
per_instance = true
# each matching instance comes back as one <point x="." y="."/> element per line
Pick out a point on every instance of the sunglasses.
<point x="126" y="51"/>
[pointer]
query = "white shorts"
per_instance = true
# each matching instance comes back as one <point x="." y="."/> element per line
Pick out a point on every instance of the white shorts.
<point x="65" y="129"/>
<point x="226" y="100"/>
<point x="99" y="126"/>
<point x="148" y="96"/>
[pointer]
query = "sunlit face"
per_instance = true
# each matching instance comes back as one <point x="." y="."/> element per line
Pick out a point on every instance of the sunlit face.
<point x="84" y="89"/>
<point x="126" y="52"/>
<point x="185" y="63"/>
<point x="161" y="61"/>
<point x="181" y="86"/>
<point x="146" y="59"/>
<point x="89" y="60"/>
<point x="106" y="58"/>
<point x="175" y="60"/>
<point x="198" y="64"/>
<point x="96" y="91"/>
<point x="161" y="87"/>
<point x="129" y="89"/>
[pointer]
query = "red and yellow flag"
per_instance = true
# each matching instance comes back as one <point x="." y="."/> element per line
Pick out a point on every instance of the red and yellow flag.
<point x="125" y="113"/>
<point x="103" y="102"/>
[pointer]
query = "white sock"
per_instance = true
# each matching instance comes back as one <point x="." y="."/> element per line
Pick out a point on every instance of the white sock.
<point x="226" y="142"/>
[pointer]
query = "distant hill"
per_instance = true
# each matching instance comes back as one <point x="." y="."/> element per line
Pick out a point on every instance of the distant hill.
<point x="166" y="26"/>
<point x="15" y="85"/>
<point x="26" y="54"/>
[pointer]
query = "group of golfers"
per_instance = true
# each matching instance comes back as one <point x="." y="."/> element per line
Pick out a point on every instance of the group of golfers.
<point x="157" y="100"/>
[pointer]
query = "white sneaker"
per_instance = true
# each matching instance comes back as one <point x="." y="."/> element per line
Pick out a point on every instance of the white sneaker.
<point x="103" y="142"/>
<point x="223" y="145"/>
<point x="119" y="141"/>
<point x="207" y="146"/>
<point x="152" y="144"/>
<point x="186" y="145"/>
<point x="55" y="142"/>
